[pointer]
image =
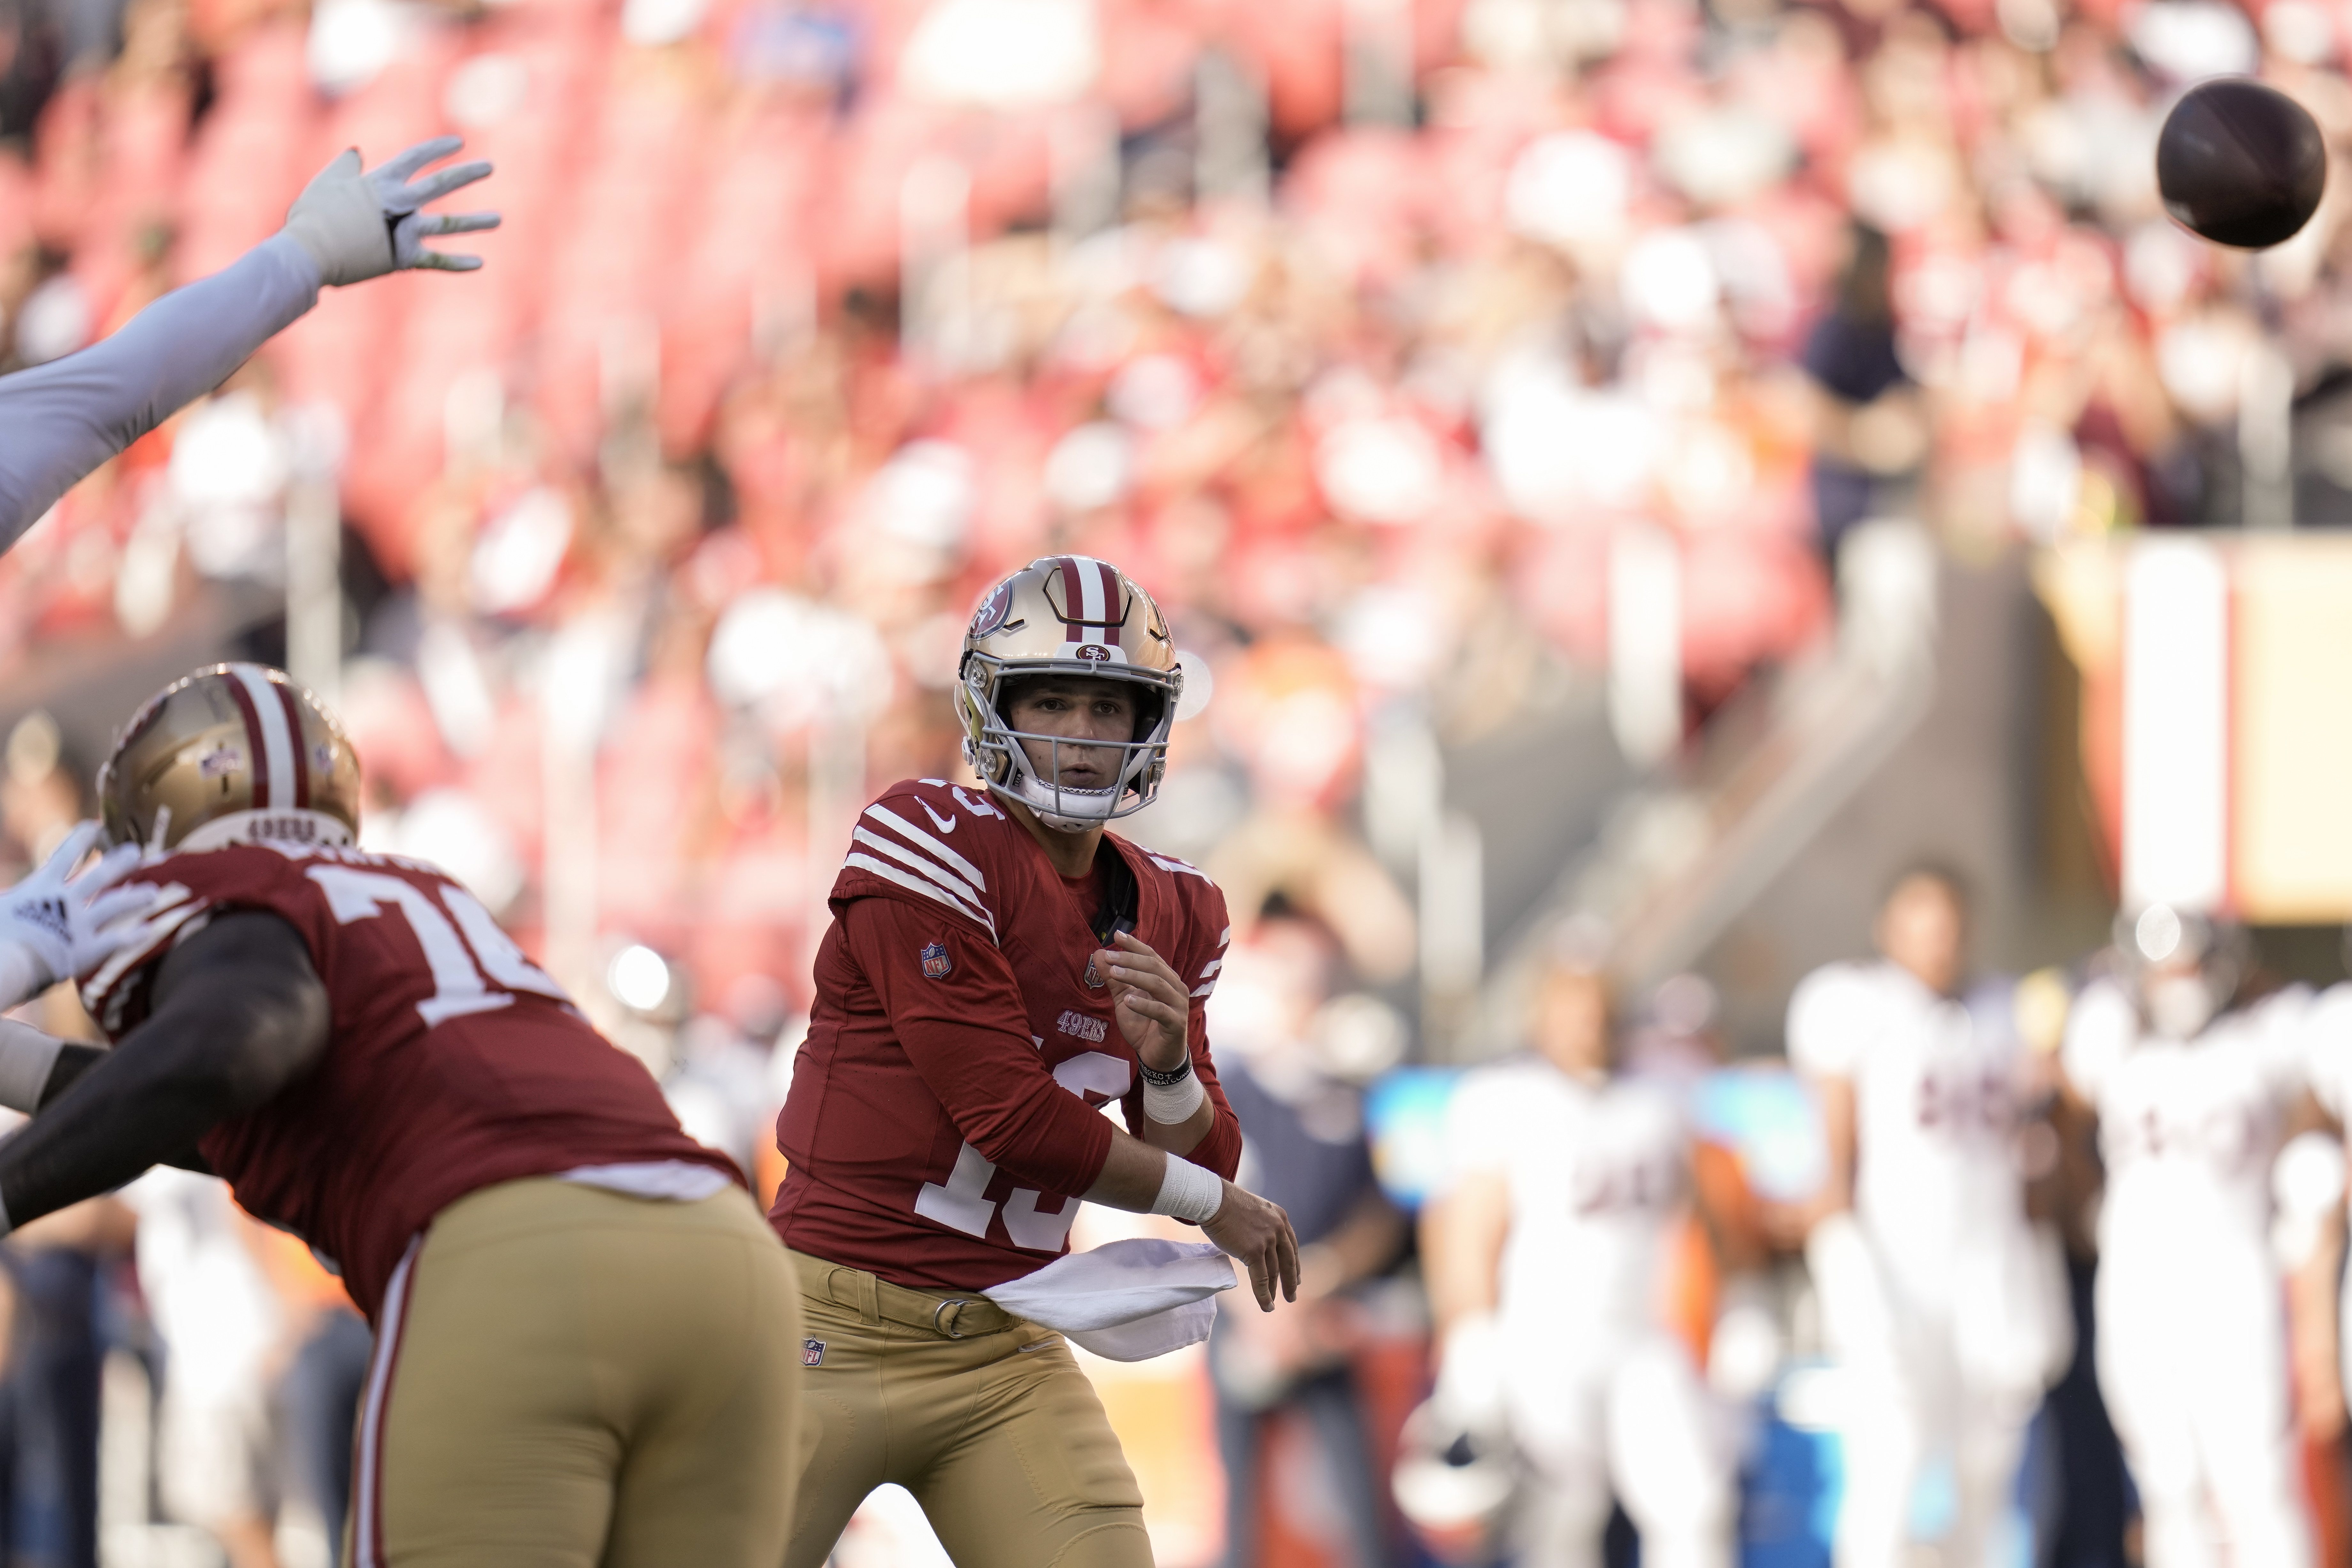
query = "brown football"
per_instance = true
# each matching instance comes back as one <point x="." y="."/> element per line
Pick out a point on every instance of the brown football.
<point x="2241" y="163"/>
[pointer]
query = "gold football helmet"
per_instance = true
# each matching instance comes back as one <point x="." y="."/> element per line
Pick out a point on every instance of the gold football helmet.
<point x="1068" y="614"/>
<point x="231" y="754"/>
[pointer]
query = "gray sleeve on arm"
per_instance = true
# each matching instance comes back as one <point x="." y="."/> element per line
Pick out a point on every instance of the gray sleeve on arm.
<point x="61" y="420"/>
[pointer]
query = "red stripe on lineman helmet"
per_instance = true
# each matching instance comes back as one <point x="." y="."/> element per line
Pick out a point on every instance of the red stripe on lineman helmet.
<point x="293" y="706"/>
<point x="275" y="738"/>
<point x="257" y="746"/>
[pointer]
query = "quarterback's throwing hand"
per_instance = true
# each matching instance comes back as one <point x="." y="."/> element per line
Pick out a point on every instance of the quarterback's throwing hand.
<point x="1257" y="1233"/>
<point x="1153" y="1009"/>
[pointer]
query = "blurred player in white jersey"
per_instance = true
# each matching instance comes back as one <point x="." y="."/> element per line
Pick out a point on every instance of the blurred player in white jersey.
<point x="2194" y="1096"/>
<point x="1548" y="1254"/>
<point x="1943" y="1302"/>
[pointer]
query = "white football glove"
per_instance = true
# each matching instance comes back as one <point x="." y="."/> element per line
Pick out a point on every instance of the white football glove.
<point x="357" y="227"/>
<point x="1473" y="1373"/>
<point x="55" y="926"/>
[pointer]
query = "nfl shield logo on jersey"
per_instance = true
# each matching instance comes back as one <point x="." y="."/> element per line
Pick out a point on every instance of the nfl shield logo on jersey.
<point x="812" y="1352"/>
<point x="936" y="962"/>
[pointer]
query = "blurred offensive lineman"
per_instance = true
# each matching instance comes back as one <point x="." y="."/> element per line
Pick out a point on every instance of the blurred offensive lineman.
<point x="61" y="420"/>
<point x="1547" y="1252"/>
<point x="2194" y="1094"/>
<point x="581" y="1327"/>
<point x="999" y="965"/>
<point x="1937" y="1291"/>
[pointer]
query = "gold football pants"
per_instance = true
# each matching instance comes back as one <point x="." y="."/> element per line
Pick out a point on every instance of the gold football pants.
<point x="986" y="1419"/>
<point x="565" y="1377"/>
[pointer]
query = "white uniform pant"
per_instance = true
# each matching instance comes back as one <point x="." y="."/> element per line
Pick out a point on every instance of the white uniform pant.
<point x="2192" y="1363"/>
<point x="1958" y="1378"/>
<point x="1631" y="1419"/>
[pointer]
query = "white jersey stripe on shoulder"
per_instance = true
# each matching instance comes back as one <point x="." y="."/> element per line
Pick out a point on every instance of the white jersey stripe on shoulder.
<point x="1214" y="966"/>
<point x="276" y="741"/>
<point x="172" y="911"/>
<point x="960" y="890"/>
<point x="1224" y="936"/>
<point x="1181" y="870"/>
<point x="1204" y="990"/>
<point x="367" y="1503"/>
<point x="917" y="885"/>
<point x="920" y="839"/>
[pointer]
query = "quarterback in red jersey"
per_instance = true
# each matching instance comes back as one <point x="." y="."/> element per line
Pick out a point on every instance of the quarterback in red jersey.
<point x="574" y="1303"/>
<point x="1000" y="967"/>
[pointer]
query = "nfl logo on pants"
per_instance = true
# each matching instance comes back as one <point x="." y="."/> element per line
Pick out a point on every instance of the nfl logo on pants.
<point x="936" y="962"/>
<point x="812" y="1352"/>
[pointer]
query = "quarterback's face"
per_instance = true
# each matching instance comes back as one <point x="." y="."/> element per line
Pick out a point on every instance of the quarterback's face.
<point x="1073" y="708"/>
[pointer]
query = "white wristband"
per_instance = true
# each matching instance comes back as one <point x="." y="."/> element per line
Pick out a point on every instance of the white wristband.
<point x="1190" y="1192"/>
<point x="26" y="1055"/>
<point x="1175" y="1104"/>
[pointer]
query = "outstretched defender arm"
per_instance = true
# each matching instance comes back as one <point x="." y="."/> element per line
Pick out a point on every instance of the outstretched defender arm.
<point x="239" y="1014"/>
<point x="61" y="420"/>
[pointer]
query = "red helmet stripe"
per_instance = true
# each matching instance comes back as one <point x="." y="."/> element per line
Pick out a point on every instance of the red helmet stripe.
<point x="257" y="753"/>
<point x="294" y="735"/>
<point x="1073" y="609"/>
<point x="1113" y="613"/>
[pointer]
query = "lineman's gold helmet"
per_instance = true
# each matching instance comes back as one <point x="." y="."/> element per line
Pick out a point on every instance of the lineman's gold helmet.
<point x="1068" y="614"/>
<point x="231" y="754"/>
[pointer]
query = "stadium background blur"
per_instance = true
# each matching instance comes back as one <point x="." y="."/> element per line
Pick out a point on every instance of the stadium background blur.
<point x="1648" y="467"/>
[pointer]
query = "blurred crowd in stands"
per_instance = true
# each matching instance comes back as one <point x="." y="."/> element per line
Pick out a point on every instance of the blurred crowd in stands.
<point x="1365" y="332"/>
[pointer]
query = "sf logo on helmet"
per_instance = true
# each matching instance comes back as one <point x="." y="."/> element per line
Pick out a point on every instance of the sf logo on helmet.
<point x="991" y="613"/>
<point x="1094" y="653"/>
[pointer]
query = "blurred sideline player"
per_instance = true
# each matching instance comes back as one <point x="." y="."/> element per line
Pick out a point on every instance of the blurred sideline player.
<point x="221" y="1326"/>
<point x="580" y="1322"/>
<point x="999" y="965"/>
<point x="1547" y="1252"/>
<point x="1943" y="1300"/>
<point x="2195" y="1091"/>
<point x="62" y="419"/>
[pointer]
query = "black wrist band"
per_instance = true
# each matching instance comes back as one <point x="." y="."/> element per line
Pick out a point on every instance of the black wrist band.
<point x="1159" y="1080"/>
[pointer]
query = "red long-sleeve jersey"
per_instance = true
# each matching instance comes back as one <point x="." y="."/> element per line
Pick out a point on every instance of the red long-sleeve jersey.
<point x="453" y="1062"/>
<point x="943" y="1114"/>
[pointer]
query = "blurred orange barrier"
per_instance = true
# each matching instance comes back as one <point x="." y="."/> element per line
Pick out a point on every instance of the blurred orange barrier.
<point x="2324" y="1476"/>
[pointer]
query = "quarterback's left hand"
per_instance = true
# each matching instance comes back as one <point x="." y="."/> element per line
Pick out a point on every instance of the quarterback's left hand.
<point x="55" y="926"/>
<point x="1153" y="1009"/>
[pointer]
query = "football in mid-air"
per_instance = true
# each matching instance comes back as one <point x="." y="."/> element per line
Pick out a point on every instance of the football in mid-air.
<point x="2241" y="163"/>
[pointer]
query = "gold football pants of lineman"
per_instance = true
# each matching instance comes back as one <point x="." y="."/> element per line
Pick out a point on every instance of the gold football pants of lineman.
<point x="567" y="1377"/>
<point x="997" y="1433"/>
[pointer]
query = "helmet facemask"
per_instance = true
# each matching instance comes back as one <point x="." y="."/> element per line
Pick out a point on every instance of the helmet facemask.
<point x="999" y="754"/>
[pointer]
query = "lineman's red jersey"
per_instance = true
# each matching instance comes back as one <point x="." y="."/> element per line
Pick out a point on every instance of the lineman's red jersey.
<point x="942" y="1118"/>
<point x="454" y="1063"/>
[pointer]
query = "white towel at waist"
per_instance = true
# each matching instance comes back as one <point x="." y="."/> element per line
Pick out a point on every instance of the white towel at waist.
<point x="1125" y="1301"/>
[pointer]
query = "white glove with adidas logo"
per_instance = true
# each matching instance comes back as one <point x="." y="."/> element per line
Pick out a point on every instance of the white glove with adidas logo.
<point x="55" y="926"/>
